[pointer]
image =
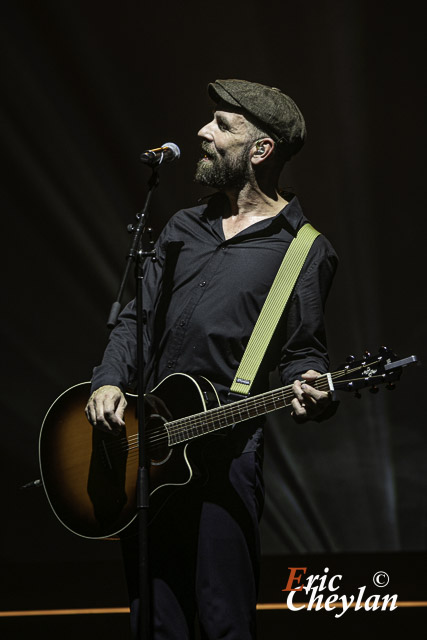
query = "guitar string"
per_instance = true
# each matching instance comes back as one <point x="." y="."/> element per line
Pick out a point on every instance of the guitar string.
<point x="176" y="427"/>
<point x="161" y="435"/>
<point x="228" y="410"/>
<point x="161" y="441"/>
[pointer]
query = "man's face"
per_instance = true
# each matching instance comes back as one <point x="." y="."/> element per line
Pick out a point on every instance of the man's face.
<point x="226" y="142"/>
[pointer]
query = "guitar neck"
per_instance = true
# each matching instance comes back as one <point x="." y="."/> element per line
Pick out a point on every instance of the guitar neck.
<point x="206" y="422"/>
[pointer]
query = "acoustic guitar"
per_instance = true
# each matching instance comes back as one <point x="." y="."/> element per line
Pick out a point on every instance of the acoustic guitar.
<point x="89" y="475"/>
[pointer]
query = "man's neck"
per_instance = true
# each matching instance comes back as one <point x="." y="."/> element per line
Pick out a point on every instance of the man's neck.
<point x="248" y="206"/>
<point x="252" y="202"/>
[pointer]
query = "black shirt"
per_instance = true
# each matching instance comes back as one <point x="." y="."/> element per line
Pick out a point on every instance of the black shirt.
<point x="203" y="296"/>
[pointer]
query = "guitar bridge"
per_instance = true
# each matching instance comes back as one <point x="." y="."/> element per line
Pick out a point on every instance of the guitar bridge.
<point x="106" y="456"/>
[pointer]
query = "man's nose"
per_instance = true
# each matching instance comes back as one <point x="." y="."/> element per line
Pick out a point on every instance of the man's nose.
<point x="206" y="132"/>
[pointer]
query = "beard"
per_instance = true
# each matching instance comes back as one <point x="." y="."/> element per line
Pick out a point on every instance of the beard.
<point x="222" y="171"/>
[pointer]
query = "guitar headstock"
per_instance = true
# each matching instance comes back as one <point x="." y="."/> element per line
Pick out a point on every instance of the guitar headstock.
<point x="371" y="371"/>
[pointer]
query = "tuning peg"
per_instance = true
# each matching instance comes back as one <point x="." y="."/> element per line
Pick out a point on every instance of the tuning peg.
<point x="384" y="352"/>
<point x="374" y="389"/>
<point x="367" y="354"/>
<point x="390" y="386"/>
<point x="350" y="359"/>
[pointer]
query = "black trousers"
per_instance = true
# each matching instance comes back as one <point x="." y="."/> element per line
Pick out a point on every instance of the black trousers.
<point x="204" y="555"/>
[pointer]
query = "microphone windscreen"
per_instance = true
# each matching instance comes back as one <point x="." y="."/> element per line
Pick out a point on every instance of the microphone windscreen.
<point x="174" y="148"/>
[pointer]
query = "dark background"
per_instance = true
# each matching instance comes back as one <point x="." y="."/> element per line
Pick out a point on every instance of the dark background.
<point x="88" y="86"/>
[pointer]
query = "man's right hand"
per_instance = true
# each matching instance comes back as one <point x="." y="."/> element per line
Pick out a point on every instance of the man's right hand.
<point x="105" y="409"/>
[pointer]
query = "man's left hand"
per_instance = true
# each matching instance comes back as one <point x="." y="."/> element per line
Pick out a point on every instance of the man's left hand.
<point x="308" y="403"/>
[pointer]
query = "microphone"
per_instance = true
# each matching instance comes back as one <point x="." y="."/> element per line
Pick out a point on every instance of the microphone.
<point x="166" y="153"/>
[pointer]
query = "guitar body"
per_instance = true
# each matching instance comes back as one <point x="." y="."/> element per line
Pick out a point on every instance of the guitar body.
<point x="89" y="475"/>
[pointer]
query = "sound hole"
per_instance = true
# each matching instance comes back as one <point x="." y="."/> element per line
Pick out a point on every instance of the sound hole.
<point x="157" y="437"/>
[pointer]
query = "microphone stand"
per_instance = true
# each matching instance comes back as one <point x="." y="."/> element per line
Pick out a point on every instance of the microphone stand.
<point x="137" y="257"/>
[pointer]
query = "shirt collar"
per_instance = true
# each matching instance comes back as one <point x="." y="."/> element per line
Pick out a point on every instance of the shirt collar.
<point x="293" y="214"/>
<point x="290" y="216"/>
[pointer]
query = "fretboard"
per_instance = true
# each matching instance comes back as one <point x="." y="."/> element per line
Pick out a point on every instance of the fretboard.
<point x="200" y="424"/>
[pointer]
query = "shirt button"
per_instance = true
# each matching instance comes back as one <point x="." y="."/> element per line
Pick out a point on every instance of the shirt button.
<point x="170" y="364"/>
<point x="202" y="283"/>
<point x="182" y="323"/>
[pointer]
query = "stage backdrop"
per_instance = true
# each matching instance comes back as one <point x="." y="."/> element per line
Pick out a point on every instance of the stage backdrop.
<point x="86" y="88"/>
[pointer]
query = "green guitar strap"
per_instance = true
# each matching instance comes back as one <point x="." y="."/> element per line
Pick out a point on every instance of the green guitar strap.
<point x="273" y="308"/>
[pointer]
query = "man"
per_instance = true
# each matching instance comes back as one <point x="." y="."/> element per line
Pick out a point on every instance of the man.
<point x="215" y="265"/>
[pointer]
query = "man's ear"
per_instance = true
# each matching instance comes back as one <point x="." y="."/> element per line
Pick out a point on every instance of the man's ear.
<point x="261" y="150"/>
